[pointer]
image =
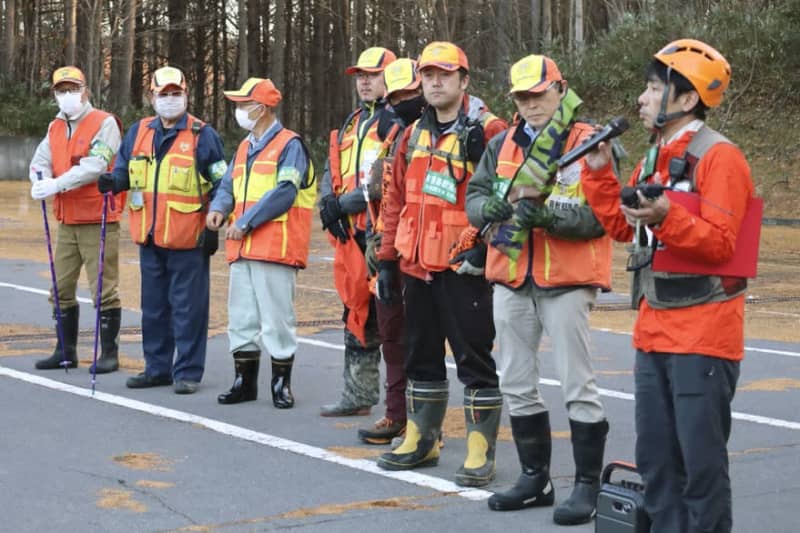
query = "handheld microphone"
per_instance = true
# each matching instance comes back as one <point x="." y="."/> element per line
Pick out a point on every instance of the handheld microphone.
<point x="615" y="128"/>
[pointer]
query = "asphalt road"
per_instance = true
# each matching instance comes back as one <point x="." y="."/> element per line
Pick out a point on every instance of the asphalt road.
<point x="150" y="460"/>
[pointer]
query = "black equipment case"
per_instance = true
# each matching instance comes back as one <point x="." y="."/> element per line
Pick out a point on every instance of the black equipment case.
<point x="620" y="505"/>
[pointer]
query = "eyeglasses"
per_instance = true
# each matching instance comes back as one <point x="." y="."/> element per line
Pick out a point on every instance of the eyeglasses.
<point x="527" y="96"/>
<point x="74" y="90"/>
<point x="170" y="93"/>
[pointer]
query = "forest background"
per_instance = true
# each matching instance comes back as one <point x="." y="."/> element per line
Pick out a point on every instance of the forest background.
<point x="304" y="46"/>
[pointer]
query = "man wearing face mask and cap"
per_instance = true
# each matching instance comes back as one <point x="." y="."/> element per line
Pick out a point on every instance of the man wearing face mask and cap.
<point x="404" y="94"/>
<point x="171" y="164"/>
<point x="79" y="146"/>
<point x="267" y="195"/>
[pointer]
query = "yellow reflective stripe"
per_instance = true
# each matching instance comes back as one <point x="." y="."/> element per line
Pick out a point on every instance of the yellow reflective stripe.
<point x="284" y="239"/>
<point x="546" y="259"/>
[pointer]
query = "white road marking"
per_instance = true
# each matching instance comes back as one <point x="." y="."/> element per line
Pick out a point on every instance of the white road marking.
<point x="242" y="433"/>
<point x="758" y="419"/>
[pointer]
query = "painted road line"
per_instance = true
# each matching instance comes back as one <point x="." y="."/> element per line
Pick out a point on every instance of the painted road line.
<point x="34" y="290"/>
<point x="265" y="439"/>
<point x="775" y="422"/>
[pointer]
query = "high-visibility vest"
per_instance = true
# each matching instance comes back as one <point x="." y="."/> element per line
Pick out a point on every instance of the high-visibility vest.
<point x="430" y="224"/>
<point x="552" y="261"/>
<point x="284" y="239"/>
<point x="174" y="195"/>
<point x="83" y="205"/>
<point x="355" y="155"/>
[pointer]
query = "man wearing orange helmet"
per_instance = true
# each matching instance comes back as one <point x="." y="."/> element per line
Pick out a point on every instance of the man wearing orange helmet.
<point x="689" y="333"/>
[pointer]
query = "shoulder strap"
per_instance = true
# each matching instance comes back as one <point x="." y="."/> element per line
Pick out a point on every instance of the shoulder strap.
<point x="701" y="143"/>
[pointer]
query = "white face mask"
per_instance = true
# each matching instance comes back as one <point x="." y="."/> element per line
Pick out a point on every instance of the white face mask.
<point x="170" y="107"/>
<point x="243" y="119"/>
<point x="69" y="103"/>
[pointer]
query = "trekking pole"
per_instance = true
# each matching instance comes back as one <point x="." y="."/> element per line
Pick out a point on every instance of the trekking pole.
<point x="98" y="297"/>
<point x="59" y="326"/>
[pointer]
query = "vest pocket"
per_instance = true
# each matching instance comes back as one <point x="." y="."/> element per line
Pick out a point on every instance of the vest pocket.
<point x="181" y="175"/>
<point x="137" y="172"/>
<point x="136" y="223"/>
<point x="406" y="234"/>
<point x="440" y="237"/>
<point x="182" y="225"/>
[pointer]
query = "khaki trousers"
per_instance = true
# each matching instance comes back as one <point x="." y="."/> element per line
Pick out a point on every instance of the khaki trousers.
<point x="78" y="245"/>
<point x="520" y="318"/>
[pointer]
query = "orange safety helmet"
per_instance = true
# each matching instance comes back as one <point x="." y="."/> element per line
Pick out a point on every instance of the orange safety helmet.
<point x="705" y="68"/>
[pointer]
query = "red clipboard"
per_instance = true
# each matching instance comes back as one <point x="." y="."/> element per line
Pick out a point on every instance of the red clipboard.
<point x="743" y="264"/>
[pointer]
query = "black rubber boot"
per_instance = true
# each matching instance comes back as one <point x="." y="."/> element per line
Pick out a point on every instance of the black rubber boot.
<point x="426" y="406"/>
<point x="482" y="408"/>
<point x="68" y="357"/>
<point x="588" y="446"/>
<point x="534" y="445"/>
<point x="282" y="383"/>
<point x="109" y="341"/>
<point x="245" y="385"/>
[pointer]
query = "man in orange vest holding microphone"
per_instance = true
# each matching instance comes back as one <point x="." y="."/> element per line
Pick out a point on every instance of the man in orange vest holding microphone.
<point x="689" y="332"/>
<point x="432" y="165"/>
<point x="79" y="147"/>
<point x="343" y="211"/>
<point x="171" y="164"/>
<point x="267" y="194"/>
<point x="547" y="256"/>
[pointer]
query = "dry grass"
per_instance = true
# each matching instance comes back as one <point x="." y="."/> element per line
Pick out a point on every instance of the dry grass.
<point x="779" y="270"/>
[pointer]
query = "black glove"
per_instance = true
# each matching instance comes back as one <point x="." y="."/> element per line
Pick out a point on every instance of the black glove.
<point x="473" y="261"/>
<point x="388" y="273"/>
<point x="330" y="212"/>
<point x="530" y="215"/>
<point x="496" y="210"/>
<point x="105" y="183"/>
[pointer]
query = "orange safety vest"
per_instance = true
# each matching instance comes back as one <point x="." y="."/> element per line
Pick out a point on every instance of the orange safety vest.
<point x="83" y="205"/>
<point x="552" y="261"/>
<point x="284" y="239"/>
<point x="355" y="156"/>
<point x="173" y="207"/>
<point x="349" y="160"/>
<point x="430" y="224"/>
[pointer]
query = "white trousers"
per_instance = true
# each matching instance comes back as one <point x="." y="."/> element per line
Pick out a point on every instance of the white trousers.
<point x="261" y="305"/>
<point x="520" y="318"/>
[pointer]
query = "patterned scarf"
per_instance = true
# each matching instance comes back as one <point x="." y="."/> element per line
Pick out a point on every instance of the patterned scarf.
<point x="535" y="178"/>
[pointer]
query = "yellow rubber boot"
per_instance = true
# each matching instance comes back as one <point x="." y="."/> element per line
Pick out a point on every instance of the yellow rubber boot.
<point x="426" y="405"/>
<point x="482" y="408"/>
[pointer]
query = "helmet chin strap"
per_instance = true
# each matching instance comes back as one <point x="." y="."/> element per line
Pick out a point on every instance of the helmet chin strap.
<point x="663" y="117"/>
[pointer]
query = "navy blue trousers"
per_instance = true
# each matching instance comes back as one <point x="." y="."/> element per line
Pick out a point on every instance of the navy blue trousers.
<point x="683" y="421"/>
<point x="174" y="311"/>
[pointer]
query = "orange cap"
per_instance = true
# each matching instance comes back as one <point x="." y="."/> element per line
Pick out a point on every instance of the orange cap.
<point x="69" y="74"/>
<point x="534" y="74"/>
<point x="167" y="77"/>
<point x="373" y="59"/>
<point x="443" y="55"/>
<point x="258" y="90"/>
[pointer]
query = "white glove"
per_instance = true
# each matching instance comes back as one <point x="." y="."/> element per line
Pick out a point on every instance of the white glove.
<point x="44" y="189"/>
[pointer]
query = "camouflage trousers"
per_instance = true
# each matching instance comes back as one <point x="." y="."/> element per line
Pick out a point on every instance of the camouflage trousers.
<point x="361" y="373"/>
